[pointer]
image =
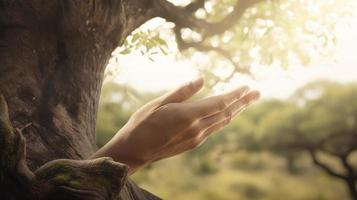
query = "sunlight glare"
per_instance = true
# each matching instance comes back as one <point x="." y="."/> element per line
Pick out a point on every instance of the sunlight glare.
<point x="167" y="72"/>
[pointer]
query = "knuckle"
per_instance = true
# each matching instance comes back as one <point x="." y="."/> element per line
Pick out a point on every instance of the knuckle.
<point x="238" y="104"/>
<point x="206" y="133"/>
<point x="228" y="114"/>
<point x="164" y="108"/>
<point x="193" y="131"/>
<point x="221" y="105"/>
<point x="169" y="107"/>
<point x="195" y="143"/>
<point x="245" y="100"/>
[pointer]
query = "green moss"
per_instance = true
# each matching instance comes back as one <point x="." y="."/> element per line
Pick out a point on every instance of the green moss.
<point x="61" y="178"/>
<point x="77" y="184"/>
<point x="8" y="147"/>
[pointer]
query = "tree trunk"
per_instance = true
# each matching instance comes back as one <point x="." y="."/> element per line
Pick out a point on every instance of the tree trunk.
<point x="352" y="188"/>
<point x="52" y="58"/>
<point x="291" y="164"/>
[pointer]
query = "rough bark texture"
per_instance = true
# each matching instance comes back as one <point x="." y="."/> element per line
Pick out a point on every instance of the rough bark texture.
<point x="52" y="58"/>
<point x="53" y="54"/>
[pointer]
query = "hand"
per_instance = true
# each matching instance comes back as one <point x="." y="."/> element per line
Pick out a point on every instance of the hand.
<point x="169" y="125"/>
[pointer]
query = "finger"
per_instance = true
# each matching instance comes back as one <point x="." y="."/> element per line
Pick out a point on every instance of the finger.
<point x="215" y="127"/>
<point x="207" y="122"/>
<point x="182" y="93"/>
<point x="244" y="102"/>
<point x="214" y="122"/>
<point x="212" y="105"/>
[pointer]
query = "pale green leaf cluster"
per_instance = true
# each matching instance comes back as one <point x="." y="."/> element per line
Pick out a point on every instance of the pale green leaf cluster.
<point x="147" y="42"/>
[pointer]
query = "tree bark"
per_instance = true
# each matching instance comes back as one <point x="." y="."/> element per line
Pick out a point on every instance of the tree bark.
<point x="52" y="58"/>
<point x="351" y="177"/>
<point x="352" y="188"/>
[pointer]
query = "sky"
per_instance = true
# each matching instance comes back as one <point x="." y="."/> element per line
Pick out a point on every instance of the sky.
<point x="167" y="72"/>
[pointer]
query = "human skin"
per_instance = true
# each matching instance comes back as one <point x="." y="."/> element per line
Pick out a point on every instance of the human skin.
<point x="170" y="125"/>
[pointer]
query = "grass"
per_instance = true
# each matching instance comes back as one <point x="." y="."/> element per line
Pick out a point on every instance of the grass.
<point x="238" y="175"/>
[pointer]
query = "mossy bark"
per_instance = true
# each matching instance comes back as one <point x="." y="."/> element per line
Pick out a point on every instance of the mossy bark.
<point x="52" y="58"/>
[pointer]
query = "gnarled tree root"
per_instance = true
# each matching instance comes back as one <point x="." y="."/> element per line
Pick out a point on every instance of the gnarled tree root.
<point x="59" y="179"/>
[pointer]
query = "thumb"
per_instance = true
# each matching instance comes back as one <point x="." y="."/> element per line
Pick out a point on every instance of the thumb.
<point x="183" y="92"/>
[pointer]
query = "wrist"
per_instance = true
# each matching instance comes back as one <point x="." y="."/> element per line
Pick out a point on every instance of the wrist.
<point x="133" y="164"/>
<point x="119" y="150"/>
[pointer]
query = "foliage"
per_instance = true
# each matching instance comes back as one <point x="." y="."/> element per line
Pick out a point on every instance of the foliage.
<point x="322" y="117"/>
<point x="147" y="42"/>
<point x="271" y="33"/>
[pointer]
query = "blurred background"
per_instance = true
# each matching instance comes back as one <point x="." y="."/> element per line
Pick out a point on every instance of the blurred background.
<point x="298" y="142"/>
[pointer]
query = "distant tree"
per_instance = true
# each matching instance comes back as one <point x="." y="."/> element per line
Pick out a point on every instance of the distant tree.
<point x="322" y="120"/>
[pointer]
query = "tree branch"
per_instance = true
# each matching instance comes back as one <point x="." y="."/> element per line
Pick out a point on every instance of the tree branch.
<point x="181" y="17"/>
<point x="348" y="167"/>
<point x="200" y="46"/>
<point x="325" y="167"/>
<point x="178" y="15"/>
<point x="195" y="5"/>
<point x="231" y="19"/>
